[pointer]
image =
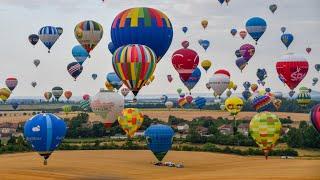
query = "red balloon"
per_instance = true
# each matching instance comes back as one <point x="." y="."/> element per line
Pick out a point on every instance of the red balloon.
<point x="86" y="97"/>
<point x="292" y="69"/>
<point x="189" y="99"/>
<point x="308" y="50"/>
<point x="185" y="61"/>
<point x="315" y="117"/>
<point x="223" y="71"/>
<point x="169" y="78"/>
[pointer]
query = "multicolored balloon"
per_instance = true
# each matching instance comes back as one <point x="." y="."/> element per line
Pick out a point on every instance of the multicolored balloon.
<point x="80" y="54"/>
<point x="48" y="35"/>
<point x="315" y="117"/>
<point x="193" y="79"/>
<point x="262" y="103"/>
<point x="114" y="80"/>
<point x="304" y="97"/>
<point x="130" y="120"/>
<point x="74" y="69"/>
<point x="256" y="27"/>
<point x="11" y="83"/>
<point x="234" y="105"/>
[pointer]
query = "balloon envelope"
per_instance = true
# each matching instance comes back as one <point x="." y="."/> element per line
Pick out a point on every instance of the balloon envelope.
<point x="48" y="35"/>
<point x="130" y="120"/>
<point x="11" y="83"/>
<point x="193" y="79"/>
<point x="200" y="102"/>
<point x="57" y="92"/>
<point x="256" y="27"/>
<point x="80" y="54"/>
<point x="74" y="69"/>
<point x="33" y="39"/>
<point x="315" y="117"/>
<point x="287" y="39"/>
<point x="185" y="61"/>
<point x="114" y="80"/>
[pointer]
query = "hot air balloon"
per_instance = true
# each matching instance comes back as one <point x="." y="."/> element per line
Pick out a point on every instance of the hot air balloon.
<point x="86" y="97"/>
<point x="315" y="117"/>
<point x="33" y="39"/>
<point x="169" y="77"/>
<point x="227" y="1"/>
<point x="33" y="84"/>
<point x="36" y="62"/>
<point x="262" y="103"/>
<point x="111" y="47"/>
<point x="47" y="95"/>
<point x="4" y="94"/>
<point x="204" y="24"/>
<point x="109" y="86"/>
<point x="314" y="81"/>
<point x="57" y="92"/>
<point x="85" y="105"/>
<point x="234" y="87"/>
<point x="15" y="105"/>
<point x="182" y="101"/>
<point x="169" y="105"/>
<point x="246" y="94"/>
<point x="185" y="44"/>
<point x="254" y="87"/>
<point x="74" y="69"/>
<point x="246" y="85"/>
<point x="108" y="105"/>
<point x="234" y="105"/>
<point x="11" y="83"/>
<point x="179" y="90"/>
<point x="185" y="61"/>
<point x="88" y="33"/>
<point x="80" y="54"/>
<point x="273" y="8"/>
<point x="200" y="42"/>
<point x="200" y="102"/>
<point x="221" y="1"/>
<point x="114" y="80"/>
<point x="189" y="99"/>
<point x="233" y="32"/>
<point x="247" y="51"/>
<point x="238" y="53"/>
<point x="283" y="29"/>
<point x="193" y="79"/>
<point x="256" y="26"/>
<point x="230" y="86"/>
<point x="265" y="130"/>
<point x="208" y="86"/>
<point x="317" y="67"/>
<point x="155" y="27"/>
<point x="68" y="95"/>
<point x="139" y="58"/>
<point x="304" y="97"/>
<point x="206" y="64"/>
<point x="287" y="39"/>
<point x="125" y="91"/>
<point x="292" y="69"/>
<point x="262" y="75"/>
<point x="159" y="139"/>
<point x="277" y="103"/>
<point x="241" y="63"/>
<point x="185" y="29"/>
<point x="48" y="35"/>
<point x="308" y="49"/>
<point x="45" y="133"/>
<point x="66" y="109"/>
<point x="205" y="44"/>
<point x="130" y="120"/>
<point x="219" y="82"/>
<point x="94" y="76"/>
<point x="60" y="30"/>
<point x="243" y="34"/>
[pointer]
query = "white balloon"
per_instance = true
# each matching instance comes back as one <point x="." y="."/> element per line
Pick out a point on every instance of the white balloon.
<point x="219" y="83"/>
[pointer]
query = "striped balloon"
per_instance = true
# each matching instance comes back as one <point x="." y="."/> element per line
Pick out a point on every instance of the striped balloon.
<point x="48" y="35"/>
<point x="304" y="97"/>
<point x="85" y="105"/>
<point x="4" y="94"/>
<point x="88" y="34"/>
<point x="256" y="27"/>
<point x="134" y="65"/>
<point x="315" y="117"/>
<point x="11" y="83"/>
<point x="262" y="103"/>
<point x="57" y="92"/>
<point x="74" y="69"/>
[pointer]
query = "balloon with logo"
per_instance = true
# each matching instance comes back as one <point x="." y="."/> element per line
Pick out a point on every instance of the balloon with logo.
<point x="273" y="8"/>
<point x="114" y="80"/>
<point x="80" y="54"/>
<point x="233" y="105"/>
<point x="134" y="65"/>
<point x="88" y="33"/>
<point x="262" y="103"/>
<point x="247" y="51"/>
<point x="283" y="29"/>
<point x="200" y="102"/>
<point x="193" y="79"/>
<point x="48" y="36"/>
<point x="206" y="64"/>
<point x="292" y="69"/>
<point x="315" y="117"/>
<point x="262" y="75"/>
<point x="265" y="129"/>
<point x="185" y="61"/>
<point x="169" y="105"/>
<point x="33" y="39"/>
<point x="204" y="24"/>
<point x="315" y="81"/>
<point x="184" y="29"/>
<point x="243" y="34"/>
<point x="304" y="97"/>
<point x="4" y="94"/>
<point x="45" y="132"/>
<point x="125" y="92"/>
<point x="149" y="26"/>
<point x="47" y="95"/>
<point x="287" y="39"/>
<point x="130" y="120"/>
<point x="308" y="49"/>
<point x="241" y="63"/>
<point x="67" y="94"/>
<point x="169" y="77"/>
<point x="108" y="105"/>
<point x="57" y="92"/>
<point x="220" y="80"/>
<point x="74" y="69"/>
<point x="256" y="27"/>
<point x="233" y="32"/>
<point x="159" y="139"/>
<point x="11" y="83"/>
<point x="36" y="62"/>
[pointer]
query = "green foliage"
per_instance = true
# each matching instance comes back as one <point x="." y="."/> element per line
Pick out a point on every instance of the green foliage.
<point x="304" y="137"/>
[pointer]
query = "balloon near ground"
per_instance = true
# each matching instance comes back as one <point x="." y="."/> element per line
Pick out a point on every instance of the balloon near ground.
<point x="315" y="117"/>
<point x="45" y="133"/>
<point x="57" y="92"/>
<point x="149" y="26"/>
<point x="159" y="139"/>
<point x="134" y="65"/>
<point x="47" y="95"/>
<point x="130" y="120"/>
<point x="108" y="105"/>
<point x="234" y="105"/>
<point x="4" y="94"/>
<point x="265" y="130"/>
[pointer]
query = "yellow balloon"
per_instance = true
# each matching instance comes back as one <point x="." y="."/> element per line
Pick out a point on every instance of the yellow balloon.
<point x="262" y="92"/>
<point x="231" y="84"/>
<point x="130" y="121"/>
<point x="4" y="94"/>
<point x="234" y="87"/>
<point x="234" y="105"/>
<point x="108" y="86"/>
<point x="204" y="24"/>
<point x="206" y="64"/>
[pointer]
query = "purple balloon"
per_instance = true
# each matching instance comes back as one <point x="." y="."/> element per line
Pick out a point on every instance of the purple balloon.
<point x="247" y="51"/>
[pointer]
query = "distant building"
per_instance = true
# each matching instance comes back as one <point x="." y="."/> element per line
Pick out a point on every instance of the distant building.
<point x="119" y="136"/>
<point x="226" y="129"/>
<point x="139" y="134"/>
<point x="243" y="129"/>
<point x="203" y="131"/>
<point x="183" y="128"/>
<point x="284" y="130"/>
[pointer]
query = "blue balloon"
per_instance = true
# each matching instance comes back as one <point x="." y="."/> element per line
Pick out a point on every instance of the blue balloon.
<point x="221" y="1"/>
<point x="159" y="139"/>
<point x="256" y="26"/>
<point x="94" y="76"/>
<point x="205" y="44"/>
<point x="200" y="102"/>
<point x="111" y="47"/>
<point x="48" y="35"/>
<point x="164" y="98"/>
<point x="80" y="54"/>
<point x="246" y="85"/>
<point x="233" y="32"/>
<point x="45" y="133"/>
<point x="262" y="75"/>
<point x="241" y="63"/>
<point x="193" y="79"/>
<point x="246" y="94"/>
<point x="268" y="90"/>
<point x="238" y="53"/>
<point x="15" y="105"/>
<point x="287" y="39"/>
<point x="184" y="29"/>
<point x="114" y="80"/>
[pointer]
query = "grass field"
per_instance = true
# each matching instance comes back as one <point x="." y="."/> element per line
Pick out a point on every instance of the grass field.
<point x="137" y="165"/>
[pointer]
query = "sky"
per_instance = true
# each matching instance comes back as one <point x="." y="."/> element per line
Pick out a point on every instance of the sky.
<point x="20" y="18"/>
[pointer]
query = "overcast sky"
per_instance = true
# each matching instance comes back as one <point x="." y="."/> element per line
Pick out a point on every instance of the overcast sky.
<point x="19" y="18"/>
